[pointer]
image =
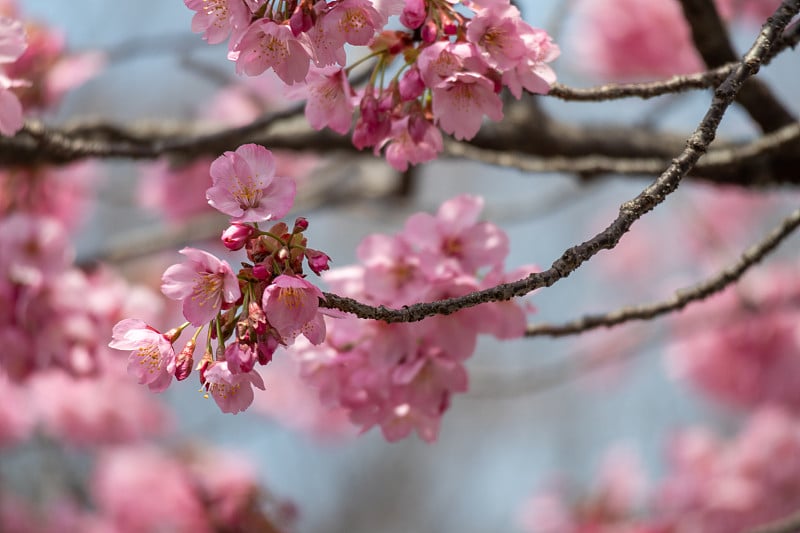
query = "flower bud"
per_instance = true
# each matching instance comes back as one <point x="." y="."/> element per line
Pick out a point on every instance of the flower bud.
<point x="317" y="261"/>
<point x="300" y="225"/>
<point x="184" y="361"/>
<point x="237" y="235"/>
<point x="430" y="32"/>
<point x="260" y="272"/>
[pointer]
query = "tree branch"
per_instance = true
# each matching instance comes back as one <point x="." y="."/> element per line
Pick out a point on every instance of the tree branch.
<point x="630" y="212"/>
<point x="675" y="84"/>
<point x="710" y="167"/>
<point x="711" y="39"/>
<point x="682" y="297"/>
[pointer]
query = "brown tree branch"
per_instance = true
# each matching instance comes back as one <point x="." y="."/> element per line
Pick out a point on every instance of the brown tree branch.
<point x="682" y="297"/>
<point x="675" y="84"/>
<point x="592" y="165"/>
<point x="630" y="212"/>
<point x="711" y="40"/>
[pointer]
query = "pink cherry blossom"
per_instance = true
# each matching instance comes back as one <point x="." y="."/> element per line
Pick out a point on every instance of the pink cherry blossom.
<point x="233" y="392"/>
<point x="330" y="100"/>
<point x="355" y="21"/>
<point x="414" y="140"/>
<point x="532" y="72"/>
<point x="461" y="101"/>
<point x="216" y="19"/>
<point x="292" y="307"/>
<point x="152" y="358"/>
<point x="497" y="34"/>
<point x="203" y="283"/>
<point x="455" y="233"/>
<point x="245" y="185"/>
<point x="266" y="45"/>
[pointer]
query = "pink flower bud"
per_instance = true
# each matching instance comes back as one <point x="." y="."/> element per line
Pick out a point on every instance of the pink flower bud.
<point x="430" y="32"/>
<point x="300" y="21"/>
<point x="411" y="85"/>
<point x="317" y="261"/>
<point x="300" y="225"/>
<point x="413" y="14"/>
<point x="260" y="272"/>
<point x="183" y="365"/>
<point x="257" y="318"/>
<point x="236" y="236"/>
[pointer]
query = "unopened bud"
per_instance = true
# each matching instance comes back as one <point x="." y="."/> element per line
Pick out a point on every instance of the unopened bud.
<point x="173" y="334"/>
<point x="300" y="225"/>
<point x="237" y="235"/>
<point x="260" y="272"/>
<point x="317" y="261"/>
<point x="184" y="362"/>
<point x="430" y="32"/>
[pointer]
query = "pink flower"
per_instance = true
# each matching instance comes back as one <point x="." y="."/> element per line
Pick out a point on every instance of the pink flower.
<point x="532" y="72"/>
<point x="330" y="100"/>
<point x="152" y="358"/>
<point x="266" y="44"/>
<point x="291" y="305"/>
<point x="232" y="392"/>
<point x="460" y="101"/>
<point x="203" y="283"/>
<point x="237" y="235"/>
<point x="456" y="233"/>
<point x="497" y="34"/>
<point x="12" y="45"/>
<point x="414" y="140"/>
<point x="216" y="19"/>
<point x="245" y="185"/>
<point x="356" y="21"/>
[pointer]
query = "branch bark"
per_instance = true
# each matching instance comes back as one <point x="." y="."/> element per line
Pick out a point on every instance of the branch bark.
<point x="682" y="297"/>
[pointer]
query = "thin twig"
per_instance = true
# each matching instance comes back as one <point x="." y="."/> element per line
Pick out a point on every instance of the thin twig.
<point x="682" y="297"/>
<point x="675" y="84"/>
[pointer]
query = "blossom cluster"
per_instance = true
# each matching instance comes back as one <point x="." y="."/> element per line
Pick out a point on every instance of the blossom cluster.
<point x="268" y="303"/>
<point x="443" y="70"/>
<point x="401" y="377"/>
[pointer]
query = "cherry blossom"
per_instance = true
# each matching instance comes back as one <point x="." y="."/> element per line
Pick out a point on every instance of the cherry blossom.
<point x="233" y="392"/>
<point x="152" y="358"/>
<point x="292" y="307"/>
<point x="203" y="283"/>
<point x="245" y="185"/>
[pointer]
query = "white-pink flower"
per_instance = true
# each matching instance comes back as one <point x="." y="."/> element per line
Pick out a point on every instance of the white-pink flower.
<point x="266" y="44"/>
<point x="460" y="101"/>
<point x="246" y="188"/>
<point x="203" y="283"/>
<point x="292" y="307"/>
<point x="152" y="358"/>
<point x="216" y="19"/>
